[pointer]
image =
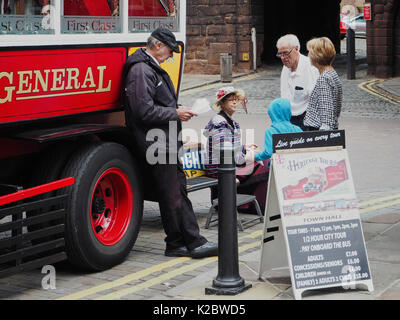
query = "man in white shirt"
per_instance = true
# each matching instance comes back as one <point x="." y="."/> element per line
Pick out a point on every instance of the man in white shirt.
<point x="298" y="77"/>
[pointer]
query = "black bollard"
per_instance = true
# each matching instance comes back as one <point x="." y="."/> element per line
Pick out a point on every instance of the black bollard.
<point x="351" y="53"/>
<point x="228" y="280"/>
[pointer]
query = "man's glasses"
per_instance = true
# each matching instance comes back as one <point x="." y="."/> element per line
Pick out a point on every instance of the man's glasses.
<point x="284" y="54"/>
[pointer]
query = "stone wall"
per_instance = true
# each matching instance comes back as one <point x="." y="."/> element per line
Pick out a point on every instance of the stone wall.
<point x="383" y="39"/>
<point x="215" y="27"/>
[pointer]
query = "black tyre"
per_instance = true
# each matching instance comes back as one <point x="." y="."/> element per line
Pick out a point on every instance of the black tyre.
<point x="105" y="206"/>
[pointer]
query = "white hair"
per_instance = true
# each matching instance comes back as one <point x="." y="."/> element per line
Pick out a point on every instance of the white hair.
<point x="288" y="40"/>
<point x="151" y="42"/>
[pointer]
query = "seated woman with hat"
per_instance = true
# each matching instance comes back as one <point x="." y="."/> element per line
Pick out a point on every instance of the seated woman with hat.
<point x="222" y="127"/>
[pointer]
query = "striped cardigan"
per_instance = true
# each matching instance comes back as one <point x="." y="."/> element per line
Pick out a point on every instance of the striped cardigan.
<point x="219" y="129"/>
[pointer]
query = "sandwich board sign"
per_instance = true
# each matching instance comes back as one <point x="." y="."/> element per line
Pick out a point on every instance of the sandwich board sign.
<point x="312" y="223"/>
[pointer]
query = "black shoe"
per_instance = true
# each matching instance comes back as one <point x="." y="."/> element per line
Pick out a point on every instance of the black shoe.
<point x="177" y="252"/>
<point x="209" y="249"/>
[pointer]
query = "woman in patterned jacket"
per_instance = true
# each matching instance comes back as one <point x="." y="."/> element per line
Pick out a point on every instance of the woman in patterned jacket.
<point x="325" y="103"/>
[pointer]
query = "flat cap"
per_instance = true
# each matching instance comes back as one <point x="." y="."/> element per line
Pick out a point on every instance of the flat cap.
<point x="167" y="37"/>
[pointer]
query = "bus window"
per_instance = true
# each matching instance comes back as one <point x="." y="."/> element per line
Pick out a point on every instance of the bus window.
<point x="90" y="16"/>
<point x="26" y="16"/>
<point x="148" y="15"/>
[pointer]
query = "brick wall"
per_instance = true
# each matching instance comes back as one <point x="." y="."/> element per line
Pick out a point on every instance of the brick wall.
<point x="215" y="27"/>
<point x="383" y="39"/>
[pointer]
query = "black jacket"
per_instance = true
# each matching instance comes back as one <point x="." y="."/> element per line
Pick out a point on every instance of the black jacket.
<point x="150" y="103"/>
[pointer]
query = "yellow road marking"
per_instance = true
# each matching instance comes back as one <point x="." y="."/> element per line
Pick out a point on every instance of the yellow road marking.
<point x="380" y="206"/>
<point x="367" y="86"/>
<point x="146" y="272"/>
<point x="129" y="278"/>
<point x="157" y="280"/>
<point x="168" y="275"/>
<point x="377" y="200"/>
<point x="254" y="234"/>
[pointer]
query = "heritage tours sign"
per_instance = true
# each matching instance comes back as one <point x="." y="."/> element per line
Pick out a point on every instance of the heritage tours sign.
<point x="312" y="214"/>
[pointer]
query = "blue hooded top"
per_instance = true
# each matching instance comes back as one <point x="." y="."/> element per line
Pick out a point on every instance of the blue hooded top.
<point x="280" y="113"/>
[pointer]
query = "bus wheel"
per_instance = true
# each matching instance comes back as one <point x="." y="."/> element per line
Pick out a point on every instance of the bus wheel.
<point x="105" y="206"/>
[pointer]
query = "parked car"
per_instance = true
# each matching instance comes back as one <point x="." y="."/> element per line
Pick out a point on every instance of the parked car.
<point x="357" y="23"/>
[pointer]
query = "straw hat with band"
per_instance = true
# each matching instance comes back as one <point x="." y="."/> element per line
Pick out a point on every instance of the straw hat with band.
<point x="223" y="92"/>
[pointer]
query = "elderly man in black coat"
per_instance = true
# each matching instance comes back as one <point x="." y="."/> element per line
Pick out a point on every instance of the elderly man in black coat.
<point x="154" y="117"/>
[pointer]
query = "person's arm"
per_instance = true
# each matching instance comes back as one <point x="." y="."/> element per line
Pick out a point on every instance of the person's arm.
<point x="184" y="113"/>
<point x="285" y="92"/>
<point x="218" y="133"/>
<point x="240" y="155"/>
<point x="326" y="106"/>
<point x="141" y="90"/>
<point x="239" y="149"/>
<point x="267" y="152"/>
<point x="313" y="75"/>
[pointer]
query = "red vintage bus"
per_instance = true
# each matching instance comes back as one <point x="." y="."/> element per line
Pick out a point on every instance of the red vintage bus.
<point x="69" y="185"/>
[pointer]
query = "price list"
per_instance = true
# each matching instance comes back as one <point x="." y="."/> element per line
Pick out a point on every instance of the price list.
<point x="327" y="254"/>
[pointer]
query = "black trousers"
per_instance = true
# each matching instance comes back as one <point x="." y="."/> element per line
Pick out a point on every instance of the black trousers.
<point x="299" y="120"/>
<point x="178" y="218"/>
<point x="311" y="129"/>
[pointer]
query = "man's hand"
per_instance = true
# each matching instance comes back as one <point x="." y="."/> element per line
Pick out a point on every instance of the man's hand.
<point x="184" y="113"/>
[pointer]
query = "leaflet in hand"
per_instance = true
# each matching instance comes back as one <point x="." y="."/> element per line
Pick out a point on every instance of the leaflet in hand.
<point x="201" y="106"/>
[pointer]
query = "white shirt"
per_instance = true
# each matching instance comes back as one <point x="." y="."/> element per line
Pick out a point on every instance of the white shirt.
<point x="155" y="60"/>
<point x="304" y="77"/>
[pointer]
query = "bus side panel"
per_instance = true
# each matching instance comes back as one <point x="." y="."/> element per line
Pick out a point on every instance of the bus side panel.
<point x="173" y="65"/>
<point x="38" y="84"/>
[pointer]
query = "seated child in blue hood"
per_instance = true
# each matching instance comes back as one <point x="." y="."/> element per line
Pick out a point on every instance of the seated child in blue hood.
<point x="280" y="113"/>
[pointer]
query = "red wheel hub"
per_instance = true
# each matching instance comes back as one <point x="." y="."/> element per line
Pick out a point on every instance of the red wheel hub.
<point x="111" y="206"/>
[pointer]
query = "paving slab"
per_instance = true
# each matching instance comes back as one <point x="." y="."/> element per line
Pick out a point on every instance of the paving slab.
<point x="258" y="291"/>
<point x="391" y="85"/>
<point x="385" y="218"/>
<point x="371" y="230"/>
<point x="390" y="294"/>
